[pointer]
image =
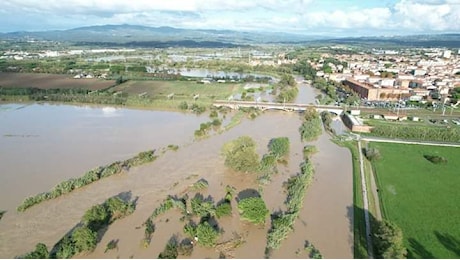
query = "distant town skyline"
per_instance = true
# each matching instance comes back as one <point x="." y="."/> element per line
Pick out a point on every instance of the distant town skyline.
<point x="315" y="17"/>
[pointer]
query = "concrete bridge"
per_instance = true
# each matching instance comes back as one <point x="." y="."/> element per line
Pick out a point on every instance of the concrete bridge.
<point x="279" y="106"/>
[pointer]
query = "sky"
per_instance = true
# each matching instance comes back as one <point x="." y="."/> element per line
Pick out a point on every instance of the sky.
<point x="311" y="17"/>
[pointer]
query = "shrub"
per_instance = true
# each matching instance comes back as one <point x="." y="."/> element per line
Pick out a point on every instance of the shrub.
<point x="207" y="235"/>
<point x="268" y="162"/>
<point x="372" y="154"/>
<point x="40" y="252"/>
<point x="84" y="239"/>
<point x="435" y="159"/>
<point x="279" y="146"/>
<point x="185" y="247"/>
<point x="308" y="150"/>
<point x="200" y="185"/>
<point x="183" y="105"/>
<point x="213" y="114"/>
<point x="202" y="208"/>
<point x="230" y="192"/>
<point x="170" y="251"/>
<point x="96" y="217"/>
<point x="224" y="209"/>
<point x="281" y="226"/>
<point x="253" y="209"/>
<point x="64" y="248"/>
<point x="240" y="154"/>
<point x="2" y="212"/>
<point x="111" y="245"/>
<point x="388" y="241"/>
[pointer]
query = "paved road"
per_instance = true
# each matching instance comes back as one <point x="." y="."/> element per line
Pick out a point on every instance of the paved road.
<point x="384" y="140"/>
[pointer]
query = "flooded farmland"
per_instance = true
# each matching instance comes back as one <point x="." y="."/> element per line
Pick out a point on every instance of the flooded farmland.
<point x="39" y="158"/>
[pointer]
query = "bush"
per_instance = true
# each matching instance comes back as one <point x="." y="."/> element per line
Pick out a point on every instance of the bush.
<point x="202" y="208"/>
<point x="224" y="209"/>
<point x="65" y="248"/>
<point x="253" y="209"/>
<point x="268" y="163"/>
<point x="84" y="239"/>
<point x="170" y="251"/>
<point x="183" y="105"/>
<point x="308" y="150"/>
<point x="240" y="154"/>
<point x="279" y="146"/>
<point x="372" y="154"/>
<point x="185" y="248"/>
<point x="96" y="217"/>
<point x="435" y="159"/>
<point x="207" y="235"/>
<point x="388" y="241"/>
<point x="40" y="252"/>
<point x="200" y="185"/>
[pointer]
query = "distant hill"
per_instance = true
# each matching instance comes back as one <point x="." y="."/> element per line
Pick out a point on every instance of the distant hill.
<point x="450" y="40"/>
<point x="126" y="35"/>
<point x="123" y="34"/>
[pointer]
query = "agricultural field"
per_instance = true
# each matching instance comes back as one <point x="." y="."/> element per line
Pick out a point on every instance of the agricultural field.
<point x="421" y="196"/>
<point x="181" y="89"/>
<point x="51" y="81"/>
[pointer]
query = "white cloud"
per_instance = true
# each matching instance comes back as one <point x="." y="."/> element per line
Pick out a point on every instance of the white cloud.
<point x="402" y="17"/>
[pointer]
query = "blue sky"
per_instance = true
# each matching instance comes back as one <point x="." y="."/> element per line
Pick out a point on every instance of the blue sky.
<point x="317" y="17"/>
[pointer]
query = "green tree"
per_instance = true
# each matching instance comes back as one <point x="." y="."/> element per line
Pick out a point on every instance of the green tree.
<point x="96" y="217"/>
<point x="207" y="235"/>
<point x="279" y="146"/>
<point x="253" y="209"/>
<point x="240" y="154"/>
<point x="40" y="252"/>
<point x="84" y="239"/>
<point x="170" y="251"/>
<point x="388" y="240"/>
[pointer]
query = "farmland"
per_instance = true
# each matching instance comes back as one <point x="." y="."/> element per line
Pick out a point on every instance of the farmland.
<point x="51" y="81"/>
<point x="421" y="197"/>
<point x="169" y="94"/>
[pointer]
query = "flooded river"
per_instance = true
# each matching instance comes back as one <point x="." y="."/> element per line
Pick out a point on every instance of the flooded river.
<point x="325" y="220"/>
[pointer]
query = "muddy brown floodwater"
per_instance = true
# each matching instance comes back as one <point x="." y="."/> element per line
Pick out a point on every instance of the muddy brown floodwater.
<point x="325" y="219"/>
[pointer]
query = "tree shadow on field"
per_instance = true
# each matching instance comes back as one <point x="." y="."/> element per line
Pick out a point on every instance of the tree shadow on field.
<point x="449" y="242"/>
<point x="417" y="250"/>
<point x="358" y="224"/>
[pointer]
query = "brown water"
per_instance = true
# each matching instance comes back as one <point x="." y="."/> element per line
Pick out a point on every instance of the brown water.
<point x="42" y="145"/>
<point x="323" y="220"/>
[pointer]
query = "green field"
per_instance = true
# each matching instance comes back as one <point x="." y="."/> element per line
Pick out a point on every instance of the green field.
<point x="422" y="198"/>
<point x="181" y="89"/>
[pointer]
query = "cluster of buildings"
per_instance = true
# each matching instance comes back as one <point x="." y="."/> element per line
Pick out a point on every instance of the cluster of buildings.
<point x="416" y="74"/>
<point x="24" y="55"/>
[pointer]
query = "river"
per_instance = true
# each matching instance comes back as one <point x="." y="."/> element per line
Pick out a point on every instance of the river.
<point x="59" y="138"/>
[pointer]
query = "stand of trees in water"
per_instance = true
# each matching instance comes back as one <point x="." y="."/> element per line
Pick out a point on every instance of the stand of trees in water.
<point x="89" y="177"/>
<point x="85" y="236"/>
<point x="65" y="95"/>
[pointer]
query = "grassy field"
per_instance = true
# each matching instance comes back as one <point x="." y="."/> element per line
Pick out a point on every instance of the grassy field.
<point x="184" y="90"/>
<point x="51" y="81"/>
<point x="422" y="198"/>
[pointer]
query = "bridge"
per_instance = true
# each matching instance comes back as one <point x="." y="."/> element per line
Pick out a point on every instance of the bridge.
<point x="279" y="106"/>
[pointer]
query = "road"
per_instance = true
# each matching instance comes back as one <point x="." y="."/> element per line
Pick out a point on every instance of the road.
<point x="370" y="250"/>
<point x="385" y="140"/>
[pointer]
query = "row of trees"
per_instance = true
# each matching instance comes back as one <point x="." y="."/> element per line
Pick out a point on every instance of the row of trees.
<point x="422" y="133"/>
<point x="311" y="127"/>
<point x="84" y="237"/>
<point x="89" y="177"/>
<point x="283" y="223"/>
